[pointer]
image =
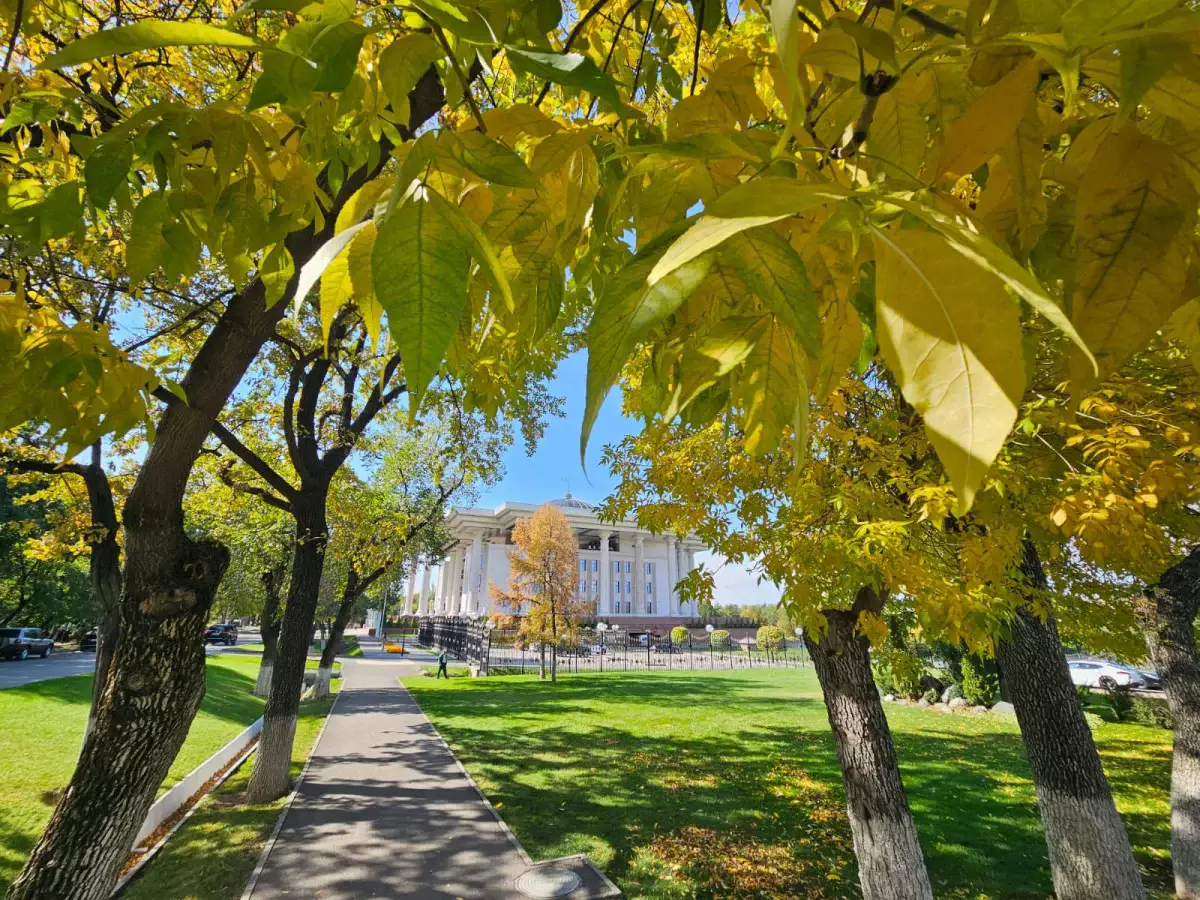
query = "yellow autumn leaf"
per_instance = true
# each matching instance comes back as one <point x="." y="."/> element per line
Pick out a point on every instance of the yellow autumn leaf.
<point x="1132" y="219"/>
<point x="951" y="334"/>
<point x="988" y="124"/>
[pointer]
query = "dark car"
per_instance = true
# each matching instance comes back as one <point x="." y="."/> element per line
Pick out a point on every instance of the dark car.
<point x="221" y="634"/>
<point x="19" y="643"/>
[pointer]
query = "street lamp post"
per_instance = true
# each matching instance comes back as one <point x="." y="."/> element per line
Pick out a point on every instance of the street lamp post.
<point x="601" y="628"/>
<point x="709" y="629"/>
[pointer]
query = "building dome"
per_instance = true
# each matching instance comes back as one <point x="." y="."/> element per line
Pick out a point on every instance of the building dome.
<point x="569" y="502"/>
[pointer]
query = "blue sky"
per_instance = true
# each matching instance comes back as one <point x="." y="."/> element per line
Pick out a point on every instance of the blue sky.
<point x="545" y="475"/>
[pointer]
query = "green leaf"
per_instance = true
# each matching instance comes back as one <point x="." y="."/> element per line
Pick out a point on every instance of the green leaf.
<point x="874" y="41"/>
<point x="967" y="240"/>
<point x="336" y="54"/>
<point x="567" y="69"/>
<point x="775" y="274"/>
<point x="952" y="336"/>
<point x="771" y="385"/>
<point x="467" y="23"/>
<point x="276" y="271"/>
<point x="403" y="63"/>
<point x="419" y="265"/>
<point x="1087" y="20"/>
<point x="482" y="248"/>
<point x="106" y="169"/>
<point x="147" y="35"/>
<point x="61" y="212"/>
<point x="145" y="249"/>
<point x="758" y="202"/>
<point x="706" y="360"/>
<point x="285" y="78"/>
<point x="489" y="159"/>
<point x="626" y="311"/>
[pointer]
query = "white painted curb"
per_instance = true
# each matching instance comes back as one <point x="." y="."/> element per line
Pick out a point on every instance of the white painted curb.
<point x="171" y="802"/>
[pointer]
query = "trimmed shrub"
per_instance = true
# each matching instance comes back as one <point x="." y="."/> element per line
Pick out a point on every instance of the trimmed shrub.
<point x="1120" y="700"/>
<point x="1084" y="693"/>
<point x="979" y="686"/>
<point x="1151" y="711"/>
<point x="680" y="635"/>
<point x="930" y="696"/>
<point x="769" y="638"/>
<point x="954" y="692"/>
<point x="1094" y="721"/>
<point x="899" y="671"/>
<point x="720" y="639"/>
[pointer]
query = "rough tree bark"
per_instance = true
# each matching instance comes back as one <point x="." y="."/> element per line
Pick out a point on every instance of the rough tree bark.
<point x="1167" y="613"/>
<point x="1090" y="857"/>
<point x="272" y="580"/>
<point x="273" y="760"/>
<point x="156" y="679"/>
<point x="890" y="863"/>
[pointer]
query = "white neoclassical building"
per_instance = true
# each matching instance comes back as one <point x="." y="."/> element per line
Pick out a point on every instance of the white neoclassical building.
<point x="627" y="573"/>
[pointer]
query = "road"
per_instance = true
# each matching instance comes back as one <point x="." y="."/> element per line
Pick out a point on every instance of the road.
<point x="63" y="663"/>
<point x="58" y="665"/>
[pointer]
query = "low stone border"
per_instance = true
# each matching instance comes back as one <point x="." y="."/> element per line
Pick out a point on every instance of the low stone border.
<point x="1000" y="708"/>
<point x="176" y="806"/>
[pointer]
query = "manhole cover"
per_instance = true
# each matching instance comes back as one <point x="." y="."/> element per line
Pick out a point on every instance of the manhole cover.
<point x="548" y="882"/>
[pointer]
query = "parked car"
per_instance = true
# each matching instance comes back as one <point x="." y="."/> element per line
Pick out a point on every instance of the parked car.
<point x="1150" y="680"/>
<point x="223" y="633"/>
<point x="1103" y="673"/>
<point x="19" y="643"/>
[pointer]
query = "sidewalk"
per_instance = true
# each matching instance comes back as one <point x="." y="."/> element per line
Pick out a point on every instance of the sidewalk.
<point x="385" y="810"/>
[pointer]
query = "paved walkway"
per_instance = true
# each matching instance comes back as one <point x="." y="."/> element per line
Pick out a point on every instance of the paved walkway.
<point x="384" y="809"/>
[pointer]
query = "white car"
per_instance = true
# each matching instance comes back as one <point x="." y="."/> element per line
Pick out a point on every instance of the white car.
<point x="1101" y="673"/>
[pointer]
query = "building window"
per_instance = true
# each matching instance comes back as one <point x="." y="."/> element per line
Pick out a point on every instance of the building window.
<point x="628" y="567"/>
<point x="649" y="588"/>
<point x="618" y="587"/>
<point x="648" y="568"/>
<point x="629" y="588"/>
<point x="595" y="565"/>
<point x="650" y="606"/>
<point x="595" y="585"/>
<point x="583" y="565"/>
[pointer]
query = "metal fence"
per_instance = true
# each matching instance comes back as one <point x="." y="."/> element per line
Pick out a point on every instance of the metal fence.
<point x="502" y="651"/>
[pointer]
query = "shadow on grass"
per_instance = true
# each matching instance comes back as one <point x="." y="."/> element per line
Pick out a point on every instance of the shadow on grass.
<point x="744" y="797"/>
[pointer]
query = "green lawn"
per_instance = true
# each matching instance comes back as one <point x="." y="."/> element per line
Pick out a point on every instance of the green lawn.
<point x="726" y="784"/>
<point x="44" y="724"/>
<point x="212" y="856"/>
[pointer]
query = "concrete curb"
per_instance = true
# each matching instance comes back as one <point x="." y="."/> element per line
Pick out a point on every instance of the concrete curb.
<point x="270" y="845"/>
<point x="610" y="889"/>
<point x="246" y="748"/>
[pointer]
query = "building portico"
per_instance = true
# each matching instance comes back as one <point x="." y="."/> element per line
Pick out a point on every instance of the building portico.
<point x="626" y="573"/>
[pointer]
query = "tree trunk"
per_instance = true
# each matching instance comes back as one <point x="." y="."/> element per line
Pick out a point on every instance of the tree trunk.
<point x="105" y="570"/>
<point x="890" y="863"/>
<point x="336" y="630"/>
<point x="1167" y="613"/>
<point x="272" y="580"/>
<point x="1090" y="857"/>
<point x="152" y="690"/>
<point x="273" y="760"/>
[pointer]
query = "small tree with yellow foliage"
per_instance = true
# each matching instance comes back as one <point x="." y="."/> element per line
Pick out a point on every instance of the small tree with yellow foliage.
<point x="542" y="582"/>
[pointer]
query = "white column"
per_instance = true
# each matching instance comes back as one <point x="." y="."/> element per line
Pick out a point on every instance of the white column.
<point x="440" y="598"/>
<point x="472" y="586"/>
<point x="605" y="576"/>
<point x="672" y="574"/>
<point x="639" y="575"/>
<point x="456" y="564"/>
<point x="426" y="572"/>
<point x="412" y="586"/>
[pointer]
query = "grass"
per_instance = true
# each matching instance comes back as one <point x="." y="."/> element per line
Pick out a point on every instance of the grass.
<point x="726" y="784"/>
<point x="44" y="725"/>
<point x="213" y="855"/>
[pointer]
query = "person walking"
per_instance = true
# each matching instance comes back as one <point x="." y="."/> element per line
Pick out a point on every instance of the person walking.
<point x="442" y="666"/>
